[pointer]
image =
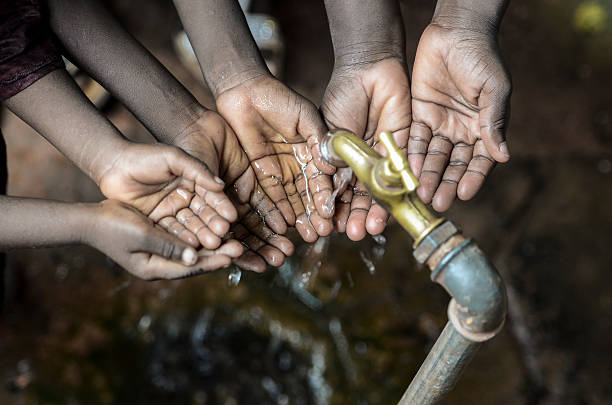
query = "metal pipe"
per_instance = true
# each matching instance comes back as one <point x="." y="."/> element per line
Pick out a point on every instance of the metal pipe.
<point x="441" y="369"/>
<point x="477" y="309"/>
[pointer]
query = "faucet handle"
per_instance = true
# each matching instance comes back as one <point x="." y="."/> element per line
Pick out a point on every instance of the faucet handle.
<point x="399" y="163"/>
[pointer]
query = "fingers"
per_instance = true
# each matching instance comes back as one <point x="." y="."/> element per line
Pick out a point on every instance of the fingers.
<point x="183" y="165"/>
<point x="270" y="213"/>
<point x="219" y="202"/>
<point x="343" y="203"/>
<point x="376" y="220"/>
<point x="270" y="176"/>
<point x="494" y="103"/>
<point x="302" y="224"/>
<point x="447" y="190"/>
<point x="173" y="226"/>
<point x="477" y="171"/>
<point x="438" y="154"/>
<point x="167" y="246"/>
<point x="262" y="243"/>
<point x="320" y="187"/>
<point x="155" y="267"/>
<point x="202" y="226"/>
<point x="418" y="143"/>
<point x="360" y="206"/>
<point x="231" y="248"/>
<point x="172" y="203"/>
<point x="314" y="144"/>
<point x="246" y="191"/>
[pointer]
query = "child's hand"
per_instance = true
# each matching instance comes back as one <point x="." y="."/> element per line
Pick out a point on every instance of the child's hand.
<point x="146" y="251"/>
<point x="273" y="124"/>
<point x="164" y="183"/>
<point x="367" y="98"/>
<point x="260" y="224"/>
<point x="461" y="103"/>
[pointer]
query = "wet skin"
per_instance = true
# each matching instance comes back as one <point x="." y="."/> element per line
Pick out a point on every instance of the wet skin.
<point x="276" y="127"/>
<point x="174" y="117"/>
<point x="212" y="140"/>
<point x="369" y="92"/>
<point x="461" y="101"/>
<point x="159" y="180"/>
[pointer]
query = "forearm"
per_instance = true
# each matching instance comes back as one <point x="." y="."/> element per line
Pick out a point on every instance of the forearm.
<point x="365" y="31"/>
<point x="476" y="15"/>
<point x="56" y="108"/>
<point x="29" y="222"/>
<point x="123" y="66"/>
<point x="220" y="36"/>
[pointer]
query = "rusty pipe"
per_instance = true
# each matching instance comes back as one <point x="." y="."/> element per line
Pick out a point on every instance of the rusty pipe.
<point x="477" y="309"/>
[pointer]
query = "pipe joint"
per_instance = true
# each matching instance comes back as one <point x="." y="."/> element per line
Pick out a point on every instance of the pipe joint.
<point x="478" y="305"/>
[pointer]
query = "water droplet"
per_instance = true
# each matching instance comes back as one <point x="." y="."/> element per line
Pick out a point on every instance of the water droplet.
<point x="234" y="276"/>
<point x="369" y="263"/>
<point x="144" y="323"/>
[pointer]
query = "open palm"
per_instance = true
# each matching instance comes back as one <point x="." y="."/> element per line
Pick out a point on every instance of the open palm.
<point x="161" y="181"/>
<point x="367" y="99"/>
<point x="460" y="105"/>
<point x="274" y="126"/>
<point x="260" y="225"/>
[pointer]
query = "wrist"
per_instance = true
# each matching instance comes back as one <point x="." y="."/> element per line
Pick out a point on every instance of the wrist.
<point x="225" y="76"/>
<point x="105" y="157"/>
<point x="368" y="53"/>
<point x="477" y="16"/>
<point x="83" y="217"/>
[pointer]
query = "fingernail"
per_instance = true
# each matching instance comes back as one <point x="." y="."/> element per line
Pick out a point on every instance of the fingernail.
<point x="218" y="180"/>
<point x="503" y="148"/>
<point x="189" y="256"/>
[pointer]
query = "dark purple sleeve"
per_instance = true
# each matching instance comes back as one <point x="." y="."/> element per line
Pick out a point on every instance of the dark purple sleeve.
<point x="27" y="47"/>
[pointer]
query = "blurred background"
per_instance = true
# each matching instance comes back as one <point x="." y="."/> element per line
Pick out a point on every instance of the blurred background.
<point x="341" y="322"/>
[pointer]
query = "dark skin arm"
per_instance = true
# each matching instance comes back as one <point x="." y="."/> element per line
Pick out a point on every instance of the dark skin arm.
<point x="276" y="127"/>
<point x="173" y="116"/>
<point x="158" y="180"/>
<point x="461" y="101"/>
<point x="119" y="231"/>
<point x="369" y="92"/>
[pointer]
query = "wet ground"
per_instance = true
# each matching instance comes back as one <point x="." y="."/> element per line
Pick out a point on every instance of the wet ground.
<point x="328" y="327"/>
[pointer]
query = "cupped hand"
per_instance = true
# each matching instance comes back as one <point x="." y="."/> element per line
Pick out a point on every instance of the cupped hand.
<point x="460" y="103"/>
<point x="367" y="99"/>
<point x="277" y="129"/>
<point x="146" y="251"/>
<point x="164" y="183"/>
<point x="260" y="224"/>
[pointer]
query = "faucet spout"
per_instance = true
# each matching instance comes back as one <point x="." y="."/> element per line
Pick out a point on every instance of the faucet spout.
<point x="477" y="310"/>
<point x="387" y="178"/>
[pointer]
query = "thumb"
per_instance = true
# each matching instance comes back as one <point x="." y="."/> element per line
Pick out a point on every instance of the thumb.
<point x="190" y="168"/>
<point x="494" y="105"/>
<point x="161" y="243"/>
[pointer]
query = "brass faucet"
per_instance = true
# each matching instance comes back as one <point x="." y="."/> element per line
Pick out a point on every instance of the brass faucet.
<point x="388" y="179"/>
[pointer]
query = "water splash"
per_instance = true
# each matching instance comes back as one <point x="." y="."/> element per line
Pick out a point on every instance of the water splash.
<point x="341" y="342"/>
<point x="234" y="276"/>
<point x="303" y="166"/>
<point x="316" y="375"/>
<point x="378" y="250"/>
<point x="341" y="179"/>
<point x="369" y="263"/>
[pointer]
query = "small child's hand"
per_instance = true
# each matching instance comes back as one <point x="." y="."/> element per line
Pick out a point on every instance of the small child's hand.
<point x="168" y="185"/>
<point x="277" y="129"/>
<point x="260" y="224"/>
<point x="145" y="250"/>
